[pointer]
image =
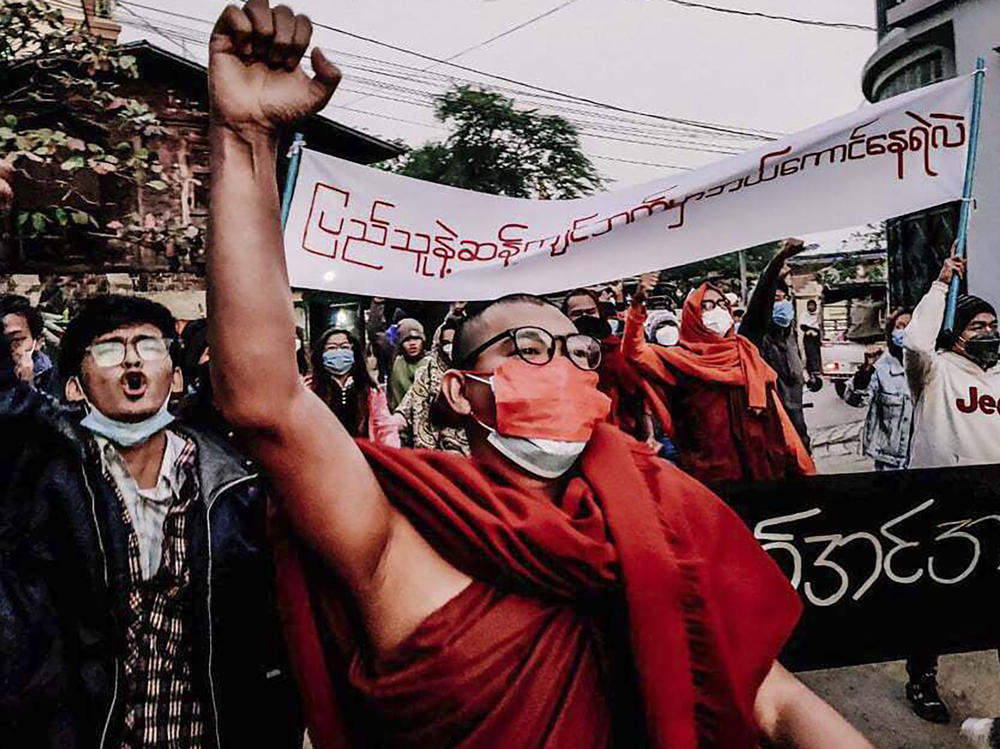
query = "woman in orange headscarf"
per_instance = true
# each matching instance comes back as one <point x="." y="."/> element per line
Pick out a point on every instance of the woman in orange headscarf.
<point x="724" y="413"/>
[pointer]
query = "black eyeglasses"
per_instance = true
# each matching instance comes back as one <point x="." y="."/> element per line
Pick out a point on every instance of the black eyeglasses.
<point x="710" y="304"/>
<point x="537" y="346"/>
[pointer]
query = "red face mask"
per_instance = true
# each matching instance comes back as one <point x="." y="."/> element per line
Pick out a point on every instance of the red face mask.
<point x="557" y="401"/>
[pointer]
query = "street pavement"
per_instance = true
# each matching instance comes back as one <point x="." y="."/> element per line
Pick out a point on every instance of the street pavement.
<point x="835" y="432"/>
<point x="871" y="698"/>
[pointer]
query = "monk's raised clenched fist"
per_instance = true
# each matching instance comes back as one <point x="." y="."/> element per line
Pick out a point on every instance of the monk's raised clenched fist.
<point x="255" y="82"/>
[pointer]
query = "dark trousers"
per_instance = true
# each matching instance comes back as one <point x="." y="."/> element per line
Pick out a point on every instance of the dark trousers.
<point x="922" y="665"/>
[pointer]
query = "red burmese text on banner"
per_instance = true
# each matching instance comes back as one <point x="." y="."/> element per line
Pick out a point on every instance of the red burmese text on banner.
<point x="361" y="230"/>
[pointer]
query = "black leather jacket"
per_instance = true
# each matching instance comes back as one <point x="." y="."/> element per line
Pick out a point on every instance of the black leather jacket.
<point x="63" y="575"/>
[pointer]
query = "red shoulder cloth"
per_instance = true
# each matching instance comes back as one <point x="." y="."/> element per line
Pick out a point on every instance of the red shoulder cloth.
<point x="708" y="610"/>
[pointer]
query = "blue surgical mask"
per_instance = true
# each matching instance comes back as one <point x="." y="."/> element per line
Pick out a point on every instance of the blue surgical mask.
<point x="784" y="313"/>
<point x="127" y="433"/>
<point x="897" y="337"/>
<point x="338" y="361"/>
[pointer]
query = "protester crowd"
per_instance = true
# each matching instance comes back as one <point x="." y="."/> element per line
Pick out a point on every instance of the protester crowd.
<point x="496" y="535"/>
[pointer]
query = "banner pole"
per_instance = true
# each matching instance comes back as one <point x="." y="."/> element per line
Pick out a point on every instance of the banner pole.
<point x="970" y="170"/>
<point x="294" y="159"/>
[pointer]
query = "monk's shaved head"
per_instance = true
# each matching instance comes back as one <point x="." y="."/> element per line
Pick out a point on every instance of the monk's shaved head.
<point x="486" y="319"/>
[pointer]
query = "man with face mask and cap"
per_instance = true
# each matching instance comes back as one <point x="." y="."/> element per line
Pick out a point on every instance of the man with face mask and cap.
<point x="155" y="565"/>
<point x="955" y="381"/>
<point x="955" y="384"/>
<point x="477" y="602"/>
<point x="661" y="327"/>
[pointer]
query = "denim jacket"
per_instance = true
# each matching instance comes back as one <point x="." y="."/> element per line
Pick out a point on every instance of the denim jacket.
<point x="889" y="423"/>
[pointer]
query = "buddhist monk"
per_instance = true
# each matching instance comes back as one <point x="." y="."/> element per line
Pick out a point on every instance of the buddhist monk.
<point x="560" y="588"/>
<point x="722" y="406"/>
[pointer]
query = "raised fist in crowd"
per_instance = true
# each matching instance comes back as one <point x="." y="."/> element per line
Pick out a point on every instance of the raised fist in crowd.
<point x="952" y="265"/>
<point x="791" y="247"/>
<point x="647" y="282"/>
<point x="256" y="85"/>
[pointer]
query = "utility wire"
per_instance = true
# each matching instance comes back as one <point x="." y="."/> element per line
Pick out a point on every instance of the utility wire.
<point x="158" y="32"/>
<point x="654" y="134"/>
<point x="585" y="129"/>
<point x="642" y="135"/>
<point x="643" y="163"/>
<point x="604" y="105"/>
<point x="774" y="17"/>
<point x="492" y="39"/>
<point x="509" y="31"/>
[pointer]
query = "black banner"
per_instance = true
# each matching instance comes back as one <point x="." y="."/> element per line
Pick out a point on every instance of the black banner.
<point x="888" y="564"/>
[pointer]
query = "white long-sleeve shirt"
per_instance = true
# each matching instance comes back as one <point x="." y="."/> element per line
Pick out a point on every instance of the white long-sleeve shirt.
<point x="956" y="414"/>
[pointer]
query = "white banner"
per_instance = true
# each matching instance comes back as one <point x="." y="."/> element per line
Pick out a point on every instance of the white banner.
<point x="361" y="230"/>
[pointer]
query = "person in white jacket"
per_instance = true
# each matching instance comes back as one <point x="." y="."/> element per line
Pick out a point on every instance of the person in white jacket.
<point x="955" y="384"/>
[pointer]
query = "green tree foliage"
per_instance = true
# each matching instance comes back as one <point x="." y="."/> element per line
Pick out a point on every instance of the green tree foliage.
<point x="66" y="128"/>
<point x="498" y="149"/>
<point x="726" y="266"/>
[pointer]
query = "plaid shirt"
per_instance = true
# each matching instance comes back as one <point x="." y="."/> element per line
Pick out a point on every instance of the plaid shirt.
<point x="162" y="707"/>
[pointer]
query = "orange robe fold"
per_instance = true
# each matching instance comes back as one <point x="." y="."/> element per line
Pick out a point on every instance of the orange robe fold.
<point x="718" y="401"/>
<point x="637" y="610"/>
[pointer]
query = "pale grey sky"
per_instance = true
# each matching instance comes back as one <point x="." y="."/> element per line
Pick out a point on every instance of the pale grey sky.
<point x="649" y="55"/>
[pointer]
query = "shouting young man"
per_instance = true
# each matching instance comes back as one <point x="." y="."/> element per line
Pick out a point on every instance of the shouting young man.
<point x="559" y="588"/>
<point x="137" y="603"/>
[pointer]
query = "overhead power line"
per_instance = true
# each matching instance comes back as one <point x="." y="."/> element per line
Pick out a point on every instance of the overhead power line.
<point x="607" y="128"/>
<point x="643" y="163"/>
<point x="511" y="30"/>
<point x="774" y="17"/>
<point x="604" y="105"/>
<point x="145" y="22"/>
<point x="649" y="137"/>
<point x="492" y="39"/>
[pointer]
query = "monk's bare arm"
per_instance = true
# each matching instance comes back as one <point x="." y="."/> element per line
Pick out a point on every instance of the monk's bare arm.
<point x="791" y="715"/>
<point x="329" y="492"/>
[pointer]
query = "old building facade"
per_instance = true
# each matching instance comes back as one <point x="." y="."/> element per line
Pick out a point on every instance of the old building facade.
<point x="921" y="42"/>
<point x="165" y="260"/>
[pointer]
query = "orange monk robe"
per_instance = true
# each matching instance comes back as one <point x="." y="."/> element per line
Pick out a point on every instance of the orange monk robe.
<point x="726" y="418"/>
<point x="635" y="611"/>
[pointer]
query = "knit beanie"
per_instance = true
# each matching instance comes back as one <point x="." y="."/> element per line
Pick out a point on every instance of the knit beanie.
<point x="410" y="328"/>
<point x="967" y="307"/>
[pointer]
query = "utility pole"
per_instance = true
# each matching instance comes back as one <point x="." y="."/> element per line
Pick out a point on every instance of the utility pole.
<point x="743" y="278"/>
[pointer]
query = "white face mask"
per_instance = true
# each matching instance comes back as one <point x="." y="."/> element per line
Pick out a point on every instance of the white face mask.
<point x="548" y="459"/>
<point x="667" y="335"/>
<point x="718" y="320"/>
<point x="126" y="433"/>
